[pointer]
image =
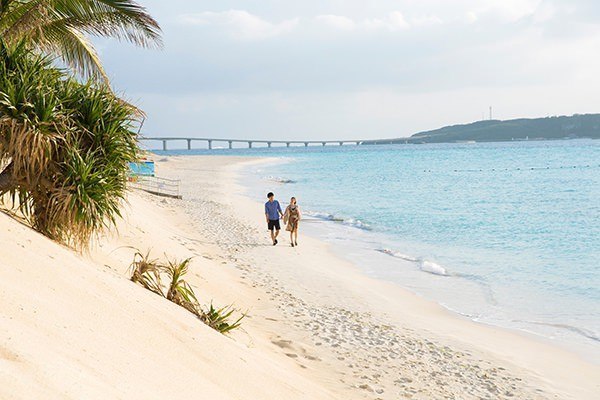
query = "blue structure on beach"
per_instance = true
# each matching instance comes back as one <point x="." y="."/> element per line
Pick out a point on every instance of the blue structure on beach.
<point x="142" y="168"/>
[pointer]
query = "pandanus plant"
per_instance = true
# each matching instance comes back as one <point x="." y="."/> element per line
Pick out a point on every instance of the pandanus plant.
<point x="65" y="146"/>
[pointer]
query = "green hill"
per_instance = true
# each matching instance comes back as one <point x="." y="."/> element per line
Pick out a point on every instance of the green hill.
<point x="550" y="128"/>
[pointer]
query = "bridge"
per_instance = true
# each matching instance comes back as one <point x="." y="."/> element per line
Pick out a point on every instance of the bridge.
<point x="249" y="143"/>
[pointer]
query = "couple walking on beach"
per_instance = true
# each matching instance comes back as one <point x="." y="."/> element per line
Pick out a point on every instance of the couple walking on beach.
<point x="291" y="217"/>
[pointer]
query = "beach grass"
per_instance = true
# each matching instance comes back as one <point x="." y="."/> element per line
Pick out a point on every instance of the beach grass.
<point x="148" y="272"/>
<point x="218" y="318"/>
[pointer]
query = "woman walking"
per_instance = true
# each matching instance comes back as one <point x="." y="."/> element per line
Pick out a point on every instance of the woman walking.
<point x="291" y="218"/>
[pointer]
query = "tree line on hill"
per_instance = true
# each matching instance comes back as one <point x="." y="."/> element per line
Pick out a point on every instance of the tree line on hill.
<point x="549" y="128"/>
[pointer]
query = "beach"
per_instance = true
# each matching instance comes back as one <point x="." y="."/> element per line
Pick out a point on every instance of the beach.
<point x="73" y="326"/>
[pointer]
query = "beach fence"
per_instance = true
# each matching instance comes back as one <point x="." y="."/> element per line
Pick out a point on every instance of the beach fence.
<point x="142" y="177"/>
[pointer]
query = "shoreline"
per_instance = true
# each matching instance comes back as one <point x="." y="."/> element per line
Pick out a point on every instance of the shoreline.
<point x="340" y="249"/>
<point x="586" y="347"/>
<point x="526" y="354"/>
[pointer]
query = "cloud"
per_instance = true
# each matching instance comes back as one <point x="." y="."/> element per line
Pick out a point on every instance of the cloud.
<point x="392" y="22"/>
<point x="395" y="21"/>
<point x="241" y="24"/>
<point x="471" y="17"/>
<point x="507" y="10"/>
<point x="337" y="21"/>
<point x="426" y="20"/>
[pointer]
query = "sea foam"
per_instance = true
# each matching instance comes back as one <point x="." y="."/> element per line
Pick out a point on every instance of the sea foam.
<point x="424" y="265"/>
<point x="353" y="222"/>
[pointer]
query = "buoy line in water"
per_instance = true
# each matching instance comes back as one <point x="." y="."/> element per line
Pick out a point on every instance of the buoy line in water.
<point x="522" y="168"/>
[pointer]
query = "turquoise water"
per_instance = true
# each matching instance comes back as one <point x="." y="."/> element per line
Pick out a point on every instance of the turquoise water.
<point x="504" y="233"/>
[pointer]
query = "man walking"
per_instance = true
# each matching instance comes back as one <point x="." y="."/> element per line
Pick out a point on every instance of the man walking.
<point x="273" y="213"/>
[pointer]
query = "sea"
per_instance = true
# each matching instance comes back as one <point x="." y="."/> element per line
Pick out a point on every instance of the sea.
<point x="506" y="234"/>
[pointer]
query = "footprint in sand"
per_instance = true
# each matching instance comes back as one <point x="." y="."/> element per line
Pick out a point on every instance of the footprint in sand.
<point x="284" y="344"/>
<point x="287" y="345"/>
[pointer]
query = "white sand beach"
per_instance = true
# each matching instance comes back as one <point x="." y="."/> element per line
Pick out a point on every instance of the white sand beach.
<point x="74" y="327"/>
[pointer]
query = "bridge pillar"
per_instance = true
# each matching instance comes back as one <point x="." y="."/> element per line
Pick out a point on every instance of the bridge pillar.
<point x="287" y="144"/>
<point x="249" y="145"/>
<point x="164" y="145"/>
<point x="189" y="141"/>
<point x="210" y="144"/>
<point x="269" y="144"/>
<point x="324" y="143"/>
<point x="341" y="143"/>
<point x="230" y="144"/>
<point x="305" y="144"/>
<point x="357" y="143"/>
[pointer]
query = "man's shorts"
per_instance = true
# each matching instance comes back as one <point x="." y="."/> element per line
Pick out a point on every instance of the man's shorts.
<point x="274" y="224"/>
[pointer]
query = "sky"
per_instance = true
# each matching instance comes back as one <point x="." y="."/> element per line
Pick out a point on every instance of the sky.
<point x="355" y="69"/>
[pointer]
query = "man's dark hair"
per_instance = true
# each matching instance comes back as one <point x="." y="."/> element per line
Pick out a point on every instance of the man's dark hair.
<point x="270" y="194"/>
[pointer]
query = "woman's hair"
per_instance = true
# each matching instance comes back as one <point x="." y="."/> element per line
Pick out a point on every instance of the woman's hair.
<point x="293" y="200"/>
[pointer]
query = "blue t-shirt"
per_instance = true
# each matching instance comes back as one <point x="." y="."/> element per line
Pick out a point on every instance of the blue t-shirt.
<point x="271" y="209"/>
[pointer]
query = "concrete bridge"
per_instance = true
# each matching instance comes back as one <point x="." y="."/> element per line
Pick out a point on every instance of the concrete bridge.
<point x="250" y="143"/>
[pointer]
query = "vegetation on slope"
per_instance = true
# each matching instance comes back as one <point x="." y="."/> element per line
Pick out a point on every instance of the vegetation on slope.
<point x="576" y="126"/>
<point x="149" y="273"/>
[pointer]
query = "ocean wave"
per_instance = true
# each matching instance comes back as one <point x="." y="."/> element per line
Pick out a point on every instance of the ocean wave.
<point x="279" y="179"/>
<point x="356" y="223"/>
<point x="579" y="331"/>
<point x="427" y="266"/>
<point x="432" y="268"/>
<point x="397" y="254"/>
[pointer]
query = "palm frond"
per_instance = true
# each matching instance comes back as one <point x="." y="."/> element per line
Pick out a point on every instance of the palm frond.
<point x="120" y="19"/>
<point x="62" y="27"/>
<point x="20" y="17"/>
<point x="74" y="49"/>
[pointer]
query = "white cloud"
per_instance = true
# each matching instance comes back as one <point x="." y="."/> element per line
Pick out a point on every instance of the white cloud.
<point x="426" y="20"/>
<point x="393" y="22"/>
<point x="472" y="17"/>
<point x="510" y="10"/>
<point x="241" y="24"/>
<point x="397" y="21"/>
<point x="336" y="21"/>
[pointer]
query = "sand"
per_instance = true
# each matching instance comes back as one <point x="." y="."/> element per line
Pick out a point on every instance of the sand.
<point x="73" y="326"/>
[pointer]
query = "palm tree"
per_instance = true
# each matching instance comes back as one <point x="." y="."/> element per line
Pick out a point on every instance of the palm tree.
<point x="62" y="28"/>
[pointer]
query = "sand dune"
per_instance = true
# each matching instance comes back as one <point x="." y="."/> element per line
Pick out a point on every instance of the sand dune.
<point x="74" y="329"/>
